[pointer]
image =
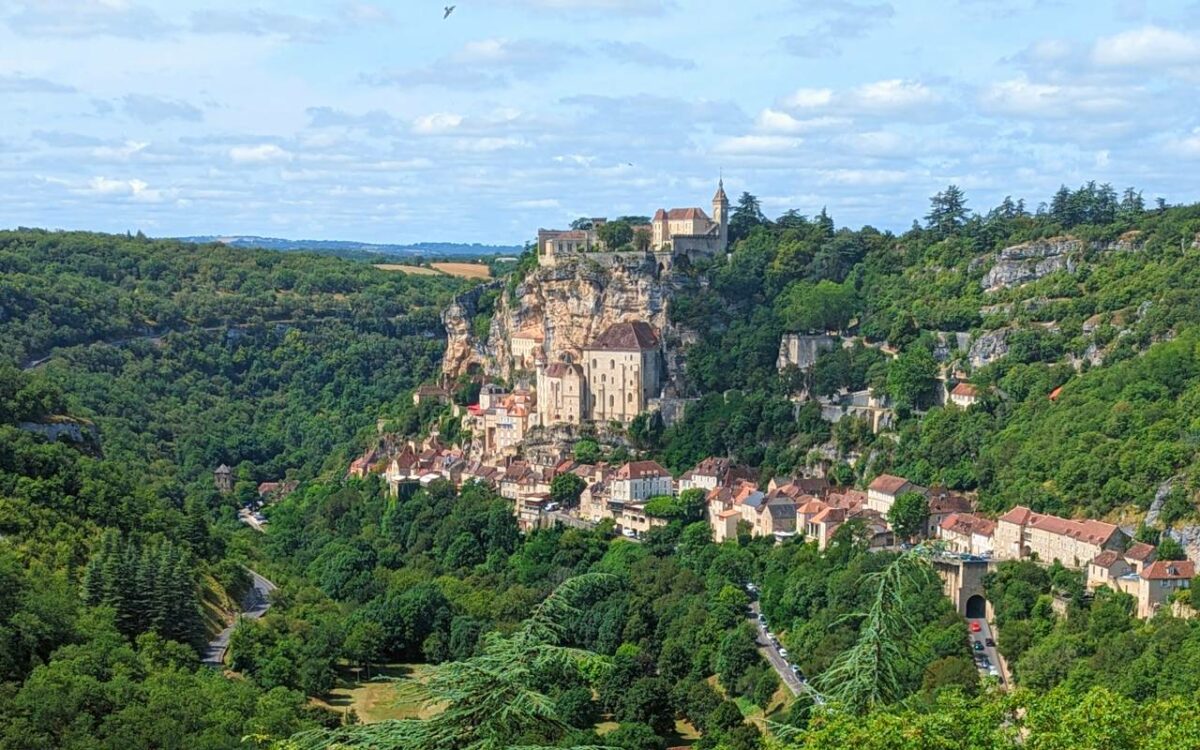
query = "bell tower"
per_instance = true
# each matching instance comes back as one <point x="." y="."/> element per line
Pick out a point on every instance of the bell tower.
<point x="720" y="207"/>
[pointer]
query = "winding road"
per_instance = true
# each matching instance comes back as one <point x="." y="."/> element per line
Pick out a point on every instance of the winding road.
<point x="776" y="660"/>
<point x="255" y="604"/>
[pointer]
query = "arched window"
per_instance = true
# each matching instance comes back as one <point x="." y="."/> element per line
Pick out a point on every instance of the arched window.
<point x="610" y="401"/>
<point x="612" y="364"/>
<point x="629" y="398"/>
<point x="594" y="365"/>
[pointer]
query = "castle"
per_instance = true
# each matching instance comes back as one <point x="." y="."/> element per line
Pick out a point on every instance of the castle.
<point x="620" y="373"/>
<point x="677" y="232"/>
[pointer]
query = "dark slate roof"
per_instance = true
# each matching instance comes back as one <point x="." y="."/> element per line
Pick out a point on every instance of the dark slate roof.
<point x="634" y="337"/>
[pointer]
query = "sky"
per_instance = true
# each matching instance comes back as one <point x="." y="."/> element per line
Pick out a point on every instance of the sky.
<point x="384" y="122"/>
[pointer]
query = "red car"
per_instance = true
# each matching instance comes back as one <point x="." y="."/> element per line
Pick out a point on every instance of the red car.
<point x="974" y="627"/>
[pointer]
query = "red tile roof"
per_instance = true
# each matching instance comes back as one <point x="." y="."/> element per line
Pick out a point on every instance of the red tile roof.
<point x="888" y="484"/>
<point x="636" y="336"/>
<point x="1140" y="551"/>
<point x="680" y="214"/>
<point x="642" y="470"/>
<point x="1093" y="532"/>
<point x="1169" y="570"/>
<point x="967" y="524"/>
<point x="965" y="389"/>
<point x="1106" y="559"/>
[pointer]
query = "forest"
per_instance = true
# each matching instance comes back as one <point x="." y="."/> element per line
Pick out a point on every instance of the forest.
<point x="119" y="558"/>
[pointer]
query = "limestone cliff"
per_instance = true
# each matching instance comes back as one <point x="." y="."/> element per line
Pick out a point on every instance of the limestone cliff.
<point x="1030" y="261"/>
<point x="570" y="304"/>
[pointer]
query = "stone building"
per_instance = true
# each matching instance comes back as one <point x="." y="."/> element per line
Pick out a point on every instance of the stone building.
<point x="623" y="372"/>
<point x="620" y="374"/>
<point x="526" y="346"/>
<point x="223" y="478"/>
<point x="679" y="232"/>
<point x="1022" y="534"/>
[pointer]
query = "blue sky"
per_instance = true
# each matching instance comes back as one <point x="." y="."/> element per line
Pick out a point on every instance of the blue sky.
<point x="379" y="121"/>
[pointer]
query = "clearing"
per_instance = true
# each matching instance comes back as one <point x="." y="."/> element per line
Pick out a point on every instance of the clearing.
<point x="465" y="270"/>
<point x="415" y="270"/>
<point x="393" y="692"/>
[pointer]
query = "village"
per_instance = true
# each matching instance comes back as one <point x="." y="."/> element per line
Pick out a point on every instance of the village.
<point x="519" y="440"/>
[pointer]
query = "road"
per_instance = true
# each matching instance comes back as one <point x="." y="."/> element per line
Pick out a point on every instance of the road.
<point x="254" y="605"/>
<point x="781" y="665"/>
<point x="993" y="655"/>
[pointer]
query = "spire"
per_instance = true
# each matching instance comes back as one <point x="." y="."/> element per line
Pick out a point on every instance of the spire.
<point x="720" y="197"/>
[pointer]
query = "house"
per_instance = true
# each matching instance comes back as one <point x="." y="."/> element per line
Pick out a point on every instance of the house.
<point x="707" y="475"/>
<point x="633" y="517"/>
<point x="778" y="519"/>
<point x="1139" y="555"/>
<point x="942" y="504"/>
<point x="1022" y="534"/>
<point x="526" y="345"/>
<point x="964" y="395"/>
<point x="1106" y="568"/>
<point x="967" y="533"/>
<point x="430" y="393"/>
<point x="1159" y="581"/>
<point x="500" y="420"/>
<point x="223" y="478"/>
<point x="882" y="492"/>
<point x="724" y="525"/>
<point x="638" y="481"/>
<point x="361" y="466"/>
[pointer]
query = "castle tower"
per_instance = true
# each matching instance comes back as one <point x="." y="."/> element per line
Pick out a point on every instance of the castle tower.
<point x="720" y="214"/>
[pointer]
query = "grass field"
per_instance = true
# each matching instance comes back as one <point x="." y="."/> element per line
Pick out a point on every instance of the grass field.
<point x="393" y="692"/>
<point x="415" y="270"/>
<point x="465" y="270"/>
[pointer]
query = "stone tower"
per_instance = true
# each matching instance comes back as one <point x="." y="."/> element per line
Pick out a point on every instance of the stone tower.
<point x="720" y="214"/>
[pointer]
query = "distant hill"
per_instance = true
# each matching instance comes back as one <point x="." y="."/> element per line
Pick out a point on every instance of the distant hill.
<point x="360" y="250"/>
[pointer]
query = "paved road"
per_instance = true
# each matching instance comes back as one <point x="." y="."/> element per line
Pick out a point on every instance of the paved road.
<point x="254" y="605"/>
<point x="777" y="662"/>
<point x="985" y="632"/>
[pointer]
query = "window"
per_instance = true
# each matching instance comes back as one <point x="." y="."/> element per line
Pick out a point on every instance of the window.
<point x="612" y="364"/>
<point x="629" y="398"/>
<point x="610" y="401"/>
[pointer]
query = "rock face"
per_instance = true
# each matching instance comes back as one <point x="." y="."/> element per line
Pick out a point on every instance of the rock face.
<point x="1030" y="261"/>
<point x="989" y="347"/>
<point x="571" y="304"/>
<point x="462" y="350"/>
<point x="797" y="350"/>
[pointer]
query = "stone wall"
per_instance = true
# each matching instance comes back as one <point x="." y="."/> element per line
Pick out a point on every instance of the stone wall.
<point x="799" y="350"/>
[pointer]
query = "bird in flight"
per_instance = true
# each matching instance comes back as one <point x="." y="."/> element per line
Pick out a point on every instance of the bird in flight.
<point x="447" y="11"/>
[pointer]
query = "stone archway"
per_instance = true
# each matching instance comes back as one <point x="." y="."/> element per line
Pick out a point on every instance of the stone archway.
<point x="976" y="608"/>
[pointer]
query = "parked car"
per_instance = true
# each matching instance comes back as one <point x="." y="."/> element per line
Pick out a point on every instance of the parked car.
<point x="975" y="628"/>
<point x="985" y="663"/>
<point x="977" y="645"/>
<point x="992" y="671"/>
<point x="990" y="643"/>
<point x="752" y="588"/>
<point x="783" y="652"/>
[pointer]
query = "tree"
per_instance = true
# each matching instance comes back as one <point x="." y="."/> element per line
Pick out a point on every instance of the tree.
<point x="565" y="489"/>
<point x="947" y="211"/>
<point x="615" y="234"/>
<point x="746" y="216"/>
<point x="587" y="451"/>
<point x="909" y="514"/>
<point x="1170" y="549"/>
<point x="911" y="377"/>
<point x="817" y="308"/>
<point x="364" y="644"/>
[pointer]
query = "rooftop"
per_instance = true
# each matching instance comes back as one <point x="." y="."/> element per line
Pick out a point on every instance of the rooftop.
<point x="635" y="336"/>
<point x="1094" y="532"/>
<point x="888" y="484"/>
<point x="642" y="470"/>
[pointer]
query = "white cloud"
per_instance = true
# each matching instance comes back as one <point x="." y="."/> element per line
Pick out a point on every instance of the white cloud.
<point x="123" y="152"/>
<point x="809" y="98"/>
<point x="1187" y="147"/>
<point x="487" y="144"/>
<point x="757" y="144"/>
<point x="438" y="122"/>
<point x="17" y="83"/>
<point x="876" y="143"/>
<point x="538" y="203"/>
<point x="135" y="189"/>
<point x="265" y="153"/>
<point x="864" y="177"/>
<point x="1150" y="46"/>
<point x="1024" y="98"/>
<point x="774" y="121"/>
<point x="892" y="95"/>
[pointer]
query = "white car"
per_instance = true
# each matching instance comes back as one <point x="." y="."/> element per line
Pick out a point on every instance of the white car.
<point x="783" y="652"/>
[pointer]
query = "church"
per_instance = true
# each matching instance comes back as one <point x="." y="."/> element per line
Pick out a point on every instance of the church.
<point x="620" y="373"/>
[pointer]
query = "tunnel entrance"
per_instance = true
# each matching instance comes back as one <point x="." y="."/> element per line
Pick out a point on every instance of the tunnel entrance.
<point x="976" y="608"/>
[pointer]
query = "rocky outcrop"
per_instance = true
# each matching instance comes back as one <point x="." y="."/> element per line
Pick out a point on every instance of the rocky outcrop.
<point x="462" y="350"/>
<point x="801" y="351"/>
<point x="571" y="303"/>
<point x="1030" y="261"/>
<point x="62" y="428"/>
<point x="989" y="347"/>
